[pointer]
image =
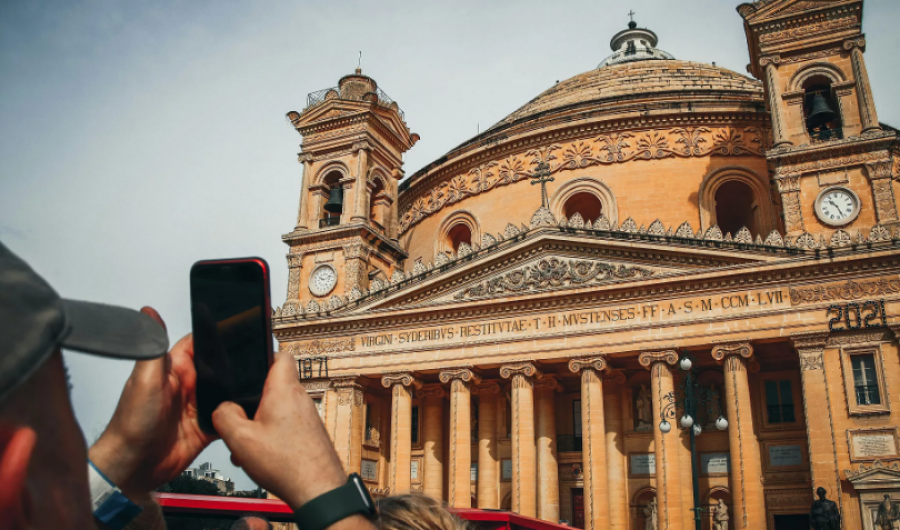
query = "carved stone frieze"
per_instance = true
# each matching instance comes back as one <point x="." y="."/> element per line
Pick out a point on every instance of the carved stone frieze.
<point x="811" y="361"/>
<point x="727" y="349"/>
<point x="552" y="273"/>
<point x="400" y="378"/>
<point x="809" y="342"/>
<point x="807" y="30"/>
<point x="615" y="148"/>
<point x="849" y="290"/>
<point x="648" y="358"/>
<point x="856" y="337"/>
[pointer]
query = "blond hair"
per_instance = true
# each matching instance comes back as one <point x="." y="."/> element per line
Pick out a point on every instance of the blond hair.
<point x="416" y="512"/>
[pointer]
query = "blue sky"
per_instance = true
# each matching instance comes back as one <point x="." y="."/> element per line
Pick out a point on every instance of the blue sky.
<point x="139" y="137"/>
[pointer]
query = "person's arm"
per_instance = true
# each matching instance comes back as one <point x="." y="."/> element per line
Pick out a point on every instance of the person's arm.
<point x="285" y="448"/>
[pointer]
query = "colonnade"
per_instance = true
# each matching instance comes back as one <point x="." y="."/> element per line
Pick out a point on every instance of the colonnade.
<point x="535" y="469"/>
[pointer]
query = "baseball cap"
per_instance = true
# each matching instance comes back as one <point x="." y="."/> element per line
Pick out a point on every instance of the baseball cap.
<point x="34" y="321"/>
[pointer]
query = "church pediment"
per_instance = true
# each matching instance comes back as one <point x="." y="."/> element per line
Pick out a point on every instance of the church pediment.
<point x="547" y="261"/>
<point x="774" y="9"/>
<point x="875" y="476"/>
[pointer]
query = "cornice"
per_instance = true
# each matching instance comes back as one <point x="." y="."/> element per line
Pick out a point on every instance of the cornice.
<point x="804" y="269"/>
<point x="855" y="145"/>
<point x="336" y="237"/>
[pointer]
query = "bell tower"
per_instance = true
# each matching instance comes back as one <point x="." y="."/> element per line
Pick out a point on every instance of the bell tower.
<point x="832" y="160"/>
<point x="347" y="228"/>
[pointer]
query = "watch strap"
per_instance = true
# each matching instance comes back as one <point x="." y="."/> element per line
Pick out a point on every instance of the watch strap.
<point x="350" y="499"/>
<point x="109" y="505"/>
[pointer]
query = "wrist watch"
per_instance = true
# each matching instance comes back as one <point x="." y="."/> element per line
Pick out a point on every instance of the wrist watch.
<point x="350" y="499"/>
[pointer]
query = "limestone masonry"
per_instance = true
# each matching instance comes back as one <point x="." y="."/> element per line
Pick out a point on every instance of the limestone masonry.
<point x="506" y="327"/>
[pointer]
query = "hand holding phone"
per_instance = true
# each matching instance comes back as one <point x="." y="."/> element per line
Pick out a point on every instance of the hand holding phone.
<point x="231" y="314"/>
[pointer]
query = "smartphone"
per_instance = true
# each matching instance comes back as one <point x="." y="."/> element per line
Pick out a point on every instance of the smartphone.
<point x="231" y="317"/>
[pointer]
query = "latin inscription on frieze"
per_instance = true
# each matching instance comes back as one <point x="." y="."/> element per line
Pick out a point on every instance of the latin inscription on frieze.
<point x="602" y="317"/>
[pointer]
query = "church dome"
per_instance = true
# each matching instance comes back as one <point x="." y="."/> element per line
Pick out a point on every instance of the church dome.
<point x="634" y="44"/>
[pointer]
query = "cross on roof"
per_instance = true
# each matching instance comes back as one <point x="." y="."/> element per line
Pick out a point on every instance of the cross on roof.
<point x="542" y="176"/>
<point x="632" y="14"/>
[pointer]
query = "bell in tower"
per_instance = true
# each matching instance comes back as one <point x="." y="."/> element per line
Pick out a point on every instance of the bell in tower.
<point x="354" y="137"/>
<point x="820" y="112"/>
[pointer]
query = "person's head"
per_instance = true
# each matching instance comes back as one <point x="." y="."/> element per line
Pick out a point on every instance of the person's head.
<point x="887" y="496"/>
<point x="252" y="522"/>
<point x="43" y="456"/>
<point x="821" y="492"/>
<point x="415" y="512"/>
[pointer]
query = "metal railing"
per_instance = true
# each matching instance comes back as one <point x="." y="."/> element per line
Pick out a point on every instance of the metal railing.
<point x="826" y="135"/>
<point x="329" y="221"/>
<point x="320" y="96"/>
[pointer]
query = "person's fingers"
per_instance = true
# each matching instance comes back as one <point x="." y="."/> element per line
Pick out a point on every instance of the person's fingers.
<point x="185" y="346"/>
<point x="154" y="314"/>
<point x="283" y="371"/>
<point x="228" y="419"/>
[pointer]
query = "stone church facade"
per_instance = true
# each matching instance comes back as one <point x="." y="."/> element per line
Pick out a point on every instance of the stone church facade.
<point x="504" y="345"/>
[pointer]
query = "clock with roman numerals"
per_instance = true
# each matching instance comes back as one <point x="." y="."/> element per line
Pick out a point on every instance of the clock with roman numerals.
<point x="837" y="206"/>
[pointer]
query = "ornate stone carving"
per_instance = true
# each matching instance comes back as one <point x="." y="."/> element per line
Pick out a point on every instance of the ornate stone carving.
<point x="527" y="369"/>
<point x="576" y="221"/>
<point x="376" y="285"/>
<point x="511" y="231"/>
<point x="547" y="382"/>
<point x="608" y="149"/>
<point x="552" y="273"/>
<point x="313" y="307"/>
<point x="853" y="338"/>
<point x="811" y="361"/>
<point x="685" y="230"/>
<point x="419" y="268"/>
<point x="885" y="205"/>
<point x="809" y="342"/>
<point x="594" y="363"/>
<point x="487" y="240"/>
<point x="656" y="228"/>
<point x="628" y="226"/>
<point x="874" y="466"/>
<point x="466" y="375"/>
<point x="335" y="302"/>
<point x="647" y="358"/>
<point x="542" y="218"/>
<point x="397" y="277"/>
<point x="743" y="236"/>
<point x="400" y="378"/>
<point x="774" y="239"/>
<point x="805" y="241"/>
<point x="849" y="290"/>
<point x="355" y="294"/>
<point x="602" y="223"/>
<point x="840" y="238"/>
<point x="806" y="30"/>
<point x="879" y="233"/>
<point x="713" y="234"/>
<point x="464" y="249"/>
<point x="723" y="350"/>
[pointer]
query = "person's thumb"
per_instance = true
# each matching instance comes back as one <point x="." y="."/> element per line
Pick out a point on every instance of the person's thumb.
<point x="229" y="419"/>
<point x="283" y="373"/>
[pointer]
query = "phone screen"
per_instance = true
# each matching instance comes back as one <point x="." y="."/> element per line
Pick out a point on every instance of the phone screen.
<point x="232" y="334"/>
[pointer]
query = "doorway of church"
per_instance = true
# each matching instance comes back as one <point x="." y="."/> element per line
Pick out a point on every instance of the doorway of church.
<point x="578" y="507"/>
<point x="791" y="521"/>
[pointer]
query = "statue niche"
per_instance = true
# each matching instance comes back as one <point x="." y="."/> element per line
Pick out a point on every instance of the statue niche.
<point x="643" y="408"/>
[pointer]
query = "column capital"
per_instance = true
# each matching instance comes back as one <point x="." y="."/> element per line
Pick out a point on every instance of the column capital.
<point x="527" y="369"/>
<point x="880" y="169"/>
<point x="466" y="375"/>
<point x="304" y="158"/>
<point x="726" y="349"/>
<point x="774" y="60"/>
<point x="361" y="146"/>
<point x="597" y="363"/>
<point x="427" y="391"/>
<point x="487" y="387"/>
<point x="649" y="358"/>
<point x="859" y="43"/>
<point x="809" y="341"/>
<point x="400" y="378"/>
<point x="548" y="381"/>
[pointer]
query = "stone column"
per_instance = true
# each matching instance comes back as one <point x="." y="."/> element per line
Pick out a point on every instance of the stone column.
<point x="867" y="114"/>
<point x="401" y="429"/>
<point x="393" y="224"/>
<point x="295" y="265"/>
<point x="774" y="89"/>
<point x="303" y="209"/>
<point x="593" y="442"/>
<point x="488" y="493"/>
<point x="617" y="476"/>
<point x="362" y="173"/>
<point x="432" y="397"/>
<point x="349" y="423"/>
<point x="459" y="481"/>
<point x="817" y="409"/>
<point x="746" y="468"/>
<point x="522" y="376"/>
<point x="545" y="440"/>
<point x="880" y="173"/>
<point x="789" y="187"/>
<point x="668" y="465"/>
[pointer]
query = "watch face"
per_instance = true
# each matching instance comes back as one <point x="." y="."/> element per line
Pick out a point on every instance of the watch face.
<point x="837" y="206"/>
<point x="322" y="280"/>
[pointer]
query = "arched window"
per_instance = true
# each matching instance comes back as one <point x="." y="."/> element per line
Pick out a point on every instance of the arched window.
<point x="458" y="233"/>
<point x="584" y="203"/>
<point x="460" y="227"/>
<point x="333" y="206"/>
<point x="821" y="111"/>
<point x="735" y="208"/>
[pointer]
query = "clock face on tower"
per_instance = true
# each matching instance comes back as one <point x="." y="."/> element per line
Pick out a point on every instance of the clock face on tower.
<point x="322" y="280"/>
<point x="837" y="206"/>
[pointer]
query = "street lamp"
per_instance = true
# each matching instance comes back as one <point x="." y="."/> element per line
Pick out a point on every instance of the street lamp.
<point x="691" y="398"/>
